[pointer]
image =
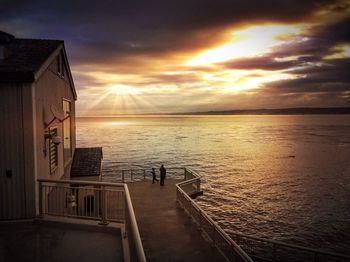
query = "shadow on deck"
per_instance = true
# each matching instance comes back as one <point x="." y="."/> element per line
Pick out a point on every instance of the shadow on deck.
<point x="167" y="233"/>
<point x="47" y="241"/>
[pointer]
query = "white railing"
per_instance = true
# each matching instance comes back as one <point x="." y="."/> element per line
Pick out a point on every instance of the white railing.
<point x="257" y="248"/>
<point x="224" y="244"/>
<point x="139" y="174"/>
<point x="106" y="202"/>
<point x="271" y="250"/>
<point x="184" y="190"/>
<point x="230" y="246"/>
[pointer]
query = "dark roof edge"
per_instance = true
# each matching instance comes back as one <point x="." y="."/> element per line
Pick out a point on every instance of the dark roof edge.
<point x="17" y="77"/>
<point x="5" y="37"/>
<point x="39" y="39"/>
<point x="70" y="73"/>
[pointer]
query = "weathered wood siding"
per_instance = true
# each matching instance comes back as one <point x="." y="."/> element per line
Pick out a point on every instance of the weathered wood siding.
<point x="12" y="159"/>
<point x="51" y="89"/>
<point x="24" y="114"/>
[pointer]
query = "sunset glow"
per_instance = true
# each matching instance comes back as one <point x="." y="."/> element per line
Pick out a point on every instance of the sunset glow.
<point x="283" y="55"/>
<point x="123" y="90"/>
<point x="252" y="41"/>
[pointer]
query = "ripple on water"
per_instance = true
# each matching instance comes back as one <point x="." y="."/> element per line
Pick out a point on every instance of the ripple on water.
<point x="281" y="177"/>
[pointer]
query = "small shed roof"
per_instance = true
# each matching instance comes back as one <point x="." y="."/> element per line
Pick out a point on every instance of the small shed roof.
<point x="26" y="56"/>
<point x="87" y="162"/>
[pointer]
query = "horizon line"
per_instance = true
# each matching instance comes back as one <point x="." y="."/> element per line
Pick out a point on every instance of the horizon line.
<point x="258" y="111"/>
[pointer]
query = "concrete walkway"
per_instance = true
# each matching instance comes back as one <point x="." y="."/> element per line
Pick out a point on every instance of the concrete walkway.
<point x="167" y="233"/>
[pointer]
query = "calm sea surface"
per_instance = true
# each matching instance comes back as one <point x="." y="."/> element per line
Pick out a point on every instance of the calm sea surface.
<point x="280" y="177"/>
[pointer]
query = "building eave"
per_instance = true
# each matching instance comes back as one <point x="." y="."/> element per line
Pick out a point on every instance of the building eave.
<point x="49" y="60"/>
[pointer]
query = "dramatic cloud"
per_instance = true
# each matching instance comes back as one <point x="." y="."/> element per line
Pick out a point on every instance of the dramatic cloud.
<point x="187" y="55"/>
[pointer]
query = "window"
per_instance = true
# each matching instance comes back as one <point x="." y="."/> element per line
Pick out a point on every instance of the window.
<point x="53" y="149"/>
<point x="67" y="141"/>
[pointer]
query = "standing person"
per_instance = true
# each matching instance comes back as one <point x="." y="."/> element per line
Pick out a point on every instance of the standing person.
<point x="162" y="171"/>
<point x="154" y="175"/>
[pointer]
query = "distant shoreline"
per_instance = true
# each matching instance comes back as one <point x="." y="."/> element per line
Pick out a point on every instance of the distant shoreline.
<point x="280" y="111"/>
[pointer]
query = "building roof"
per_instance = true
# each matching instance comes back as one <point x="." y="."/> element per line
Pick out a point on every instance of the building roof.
<point x="87" y="162"/>
<point x="5" y="37"/>
<point x="26" y="56"/>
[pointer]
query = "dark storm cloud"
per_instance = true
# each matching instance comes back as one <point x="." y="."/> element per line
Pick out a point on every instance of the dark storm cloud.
<point x="329" y="70"/>
<point x="330" y="77"/>
<point x="106" y="29"/>
<point x="112" y="36"/>
<point x="314" y="73"/>
<point x="310" y="47"/>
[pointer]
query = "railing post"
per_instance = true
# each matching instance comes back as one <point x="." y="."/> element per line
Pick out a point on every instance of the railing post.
<point x="214" y="235"/>
<point x="131" y="175"/>
<point x="144" y="174"/>
<point x="104" y="207"/>
<point x="123" y="176"/>
<point x="184" y="173"/>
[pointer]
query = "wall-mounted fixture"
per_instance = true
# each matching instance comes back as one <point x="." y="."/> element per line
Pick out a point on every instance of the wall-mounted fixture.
<point x="58" y="115"/>
<point x="53" y="137"/>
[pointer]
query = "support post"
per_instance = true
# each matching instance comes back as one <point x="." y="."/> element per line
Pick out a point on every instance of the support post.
<point x="104" y="208"/>
<point x="200" y="219"/>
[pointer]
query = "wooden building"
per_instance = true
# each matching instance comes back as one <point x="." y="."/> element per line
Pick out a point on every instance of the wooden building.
<point x="37" y="120"/>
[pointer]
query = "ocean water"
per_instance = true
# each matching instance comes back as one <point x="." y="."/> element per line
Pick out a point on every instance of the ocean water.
<point x="280" y="177"/>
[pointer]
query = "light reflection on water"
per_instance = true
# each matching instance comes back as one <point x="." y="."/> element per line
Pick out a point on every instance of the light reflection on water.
<point x="280" y="177"/>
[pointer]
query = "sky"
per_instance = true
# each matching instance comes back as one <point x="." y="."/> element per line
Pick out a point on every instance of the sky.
<point x="156" y="56"/>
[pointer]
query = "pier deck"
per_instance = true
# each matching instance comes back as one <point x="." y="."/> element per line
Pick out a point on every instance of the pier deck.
<point x="167" y="233"/>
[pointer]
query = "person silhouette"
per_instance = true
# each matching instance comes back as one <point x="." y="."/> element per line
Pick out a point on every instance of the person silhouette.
<point x="162" y="171"/>
<point x="154" y="175"/>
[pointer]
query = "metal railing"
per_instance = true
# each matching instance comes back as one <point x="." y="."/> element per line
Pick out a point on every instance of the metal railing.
<point x="139" y="174"/>
<point x="224" y="244"/>
<point x="106" y="202"/>
<point x="185" y="189"/>
<point x="271" y="250"/>
<point x="231" y="246"/>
